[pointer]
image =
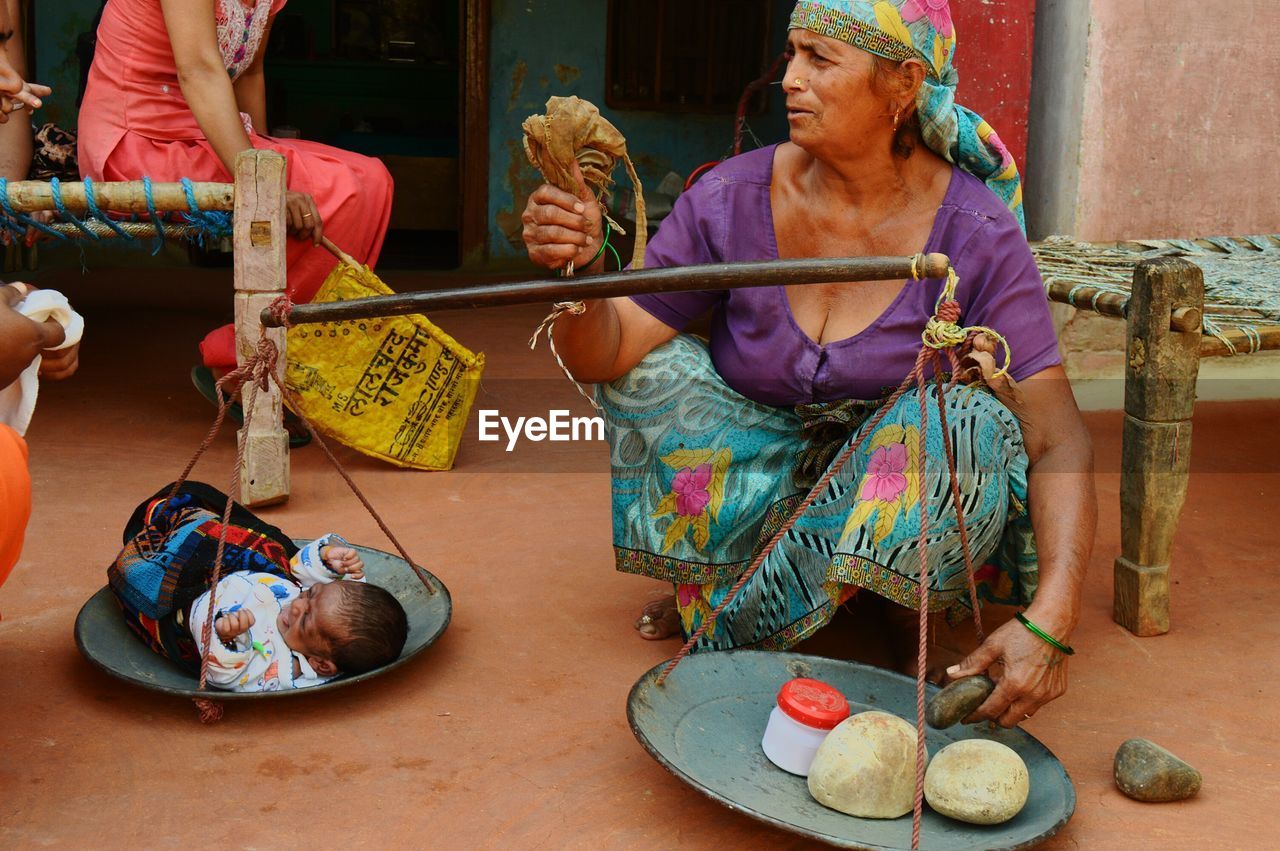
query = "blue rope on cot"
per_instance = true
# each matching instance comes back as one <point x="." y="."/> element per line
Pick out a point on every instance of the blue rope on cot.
<point x="208" y="224"/>
<point x="55" y="187"/>
<point x="24" y="220"/>
<point x="98" y="215"/>
<point x="211" y="224"/>
<point x="155" y="217"/>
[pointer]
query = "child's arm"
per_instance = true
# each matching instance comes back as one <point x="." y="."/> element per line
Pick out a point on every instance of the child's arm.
<point x="326" y="559"/>
<point x="237" y="661"/>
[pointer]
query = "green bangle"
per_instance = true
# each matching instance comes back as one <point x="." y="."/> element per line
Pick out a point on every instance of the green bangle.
<point x="603" y="245"/>
<point x="1040" y="633"/>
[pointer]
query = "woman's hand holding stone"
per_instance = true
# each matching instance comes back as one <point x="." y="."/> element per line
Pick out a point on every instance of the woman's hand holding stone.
<point x="1034" y="673"/>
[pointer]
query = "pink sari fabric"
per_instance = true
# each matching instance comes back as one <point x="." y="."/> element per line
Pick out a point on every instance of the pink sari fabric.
<point x="135" y="122"/>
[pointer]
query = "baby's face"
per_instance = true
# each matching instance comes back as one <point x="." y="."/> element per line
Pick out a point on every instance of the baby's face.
<point x="310" y="623"/>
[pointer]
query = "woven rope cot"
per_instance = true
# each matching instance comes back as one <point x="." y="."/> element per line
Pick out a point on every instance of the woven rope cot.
<point x="1182" y="300"/>
<point x="250" y="211"/>
<point x="1241" y="309"/>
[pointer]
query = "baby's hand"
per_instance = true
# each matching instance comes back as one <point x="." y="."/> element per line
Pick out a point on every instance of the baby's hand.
<point x="343" y="560"/>
<point x="235" y="624"/>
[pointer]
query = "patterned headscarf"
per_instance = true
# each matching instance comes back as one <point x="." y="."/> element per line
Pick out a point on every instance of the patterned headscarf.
<point x="922" y="29"/>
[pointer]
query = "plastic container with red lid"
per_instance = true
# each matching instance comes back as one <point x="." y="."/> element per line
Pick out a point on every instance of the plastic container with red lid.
<point x="806" y="711"/>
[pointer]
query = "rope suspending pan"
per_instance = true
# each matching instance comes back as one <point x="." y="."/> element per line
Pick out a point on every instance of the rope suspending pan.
<point x="105" y="641"/>
<point x="943" y="346"/>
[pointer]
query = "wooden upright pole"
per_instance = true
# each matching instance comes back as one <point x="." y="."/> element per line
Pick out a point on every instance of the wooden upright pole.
<point x="260" y="280"/>
<point x="1160" y="392"/>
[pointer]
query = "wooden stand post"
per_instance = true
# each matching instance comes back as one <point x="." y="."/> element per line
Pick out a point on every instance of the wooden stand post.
<point x="260" y="280"/>
<point x="1160" y="391"/>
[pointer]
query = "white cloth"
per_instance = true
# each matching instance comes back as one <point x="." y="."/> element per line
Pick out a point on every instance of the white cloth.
<point x="259" y="660"/>
<point x="18" y="400"/>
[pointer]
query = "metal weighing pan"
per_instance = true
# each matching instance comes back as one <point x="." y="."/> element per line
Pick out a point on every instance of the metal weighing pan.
<point x="105" y="641"/>
<point x="705" y="723"/>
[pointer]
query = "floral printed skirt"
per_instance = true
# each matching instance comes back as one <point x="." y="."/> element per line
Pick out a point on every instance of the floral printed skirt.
<point x="703" y="477"/>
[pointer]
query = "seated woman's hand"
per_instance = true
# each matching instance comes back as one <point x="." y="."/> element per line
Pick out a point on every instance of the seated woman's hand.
<point x="302" y="217"/>
<point x="560" y="228"/>
<point x="1034" y="674"/>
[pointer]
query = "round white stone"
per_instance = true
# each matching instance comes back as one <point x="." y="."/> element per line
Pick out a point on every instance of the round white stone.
<point x="866" y="767"/>
<point x="977" y="781"/>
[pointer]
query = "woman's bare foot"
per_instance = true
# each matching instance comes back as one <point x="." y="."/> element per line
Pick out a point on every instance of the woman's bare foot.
<point x="659" y="619"/>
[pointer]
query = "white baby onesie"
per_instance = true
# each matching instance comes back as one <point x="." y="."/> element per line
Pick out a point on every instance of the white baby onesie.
<point x="259" y="660"/>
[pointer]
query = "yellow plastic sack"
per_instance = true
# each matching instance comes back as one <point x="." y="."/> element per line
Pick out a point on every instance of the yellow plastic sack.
<point x="397" y="387"/>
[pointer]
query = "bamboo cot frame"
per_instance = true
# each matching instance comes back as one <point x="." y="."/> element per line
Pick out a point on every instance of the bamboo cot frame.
<point x="1165" y="342"/>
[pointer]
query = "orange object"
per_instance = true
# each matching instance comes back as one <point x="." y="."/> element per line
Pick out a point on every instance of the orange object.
<point x="15" y="498"/>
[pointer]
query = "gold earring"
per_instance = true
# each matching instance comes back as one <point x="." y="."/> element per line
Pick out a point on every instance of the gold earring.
<point x="897" y="118"/>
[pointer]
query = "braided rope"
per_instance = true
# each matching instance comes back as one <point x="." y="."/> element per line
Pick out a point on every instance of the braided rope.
<point x="255" y="371"/>
<point x="98" y="216"/>
<point x="12" y="215"/>
<point x="810" y="498"/>
<point x="256" y="375"/>
<point x="201" y="225"/>
<point x="922" y="648"/>
<point x="55" y="188"/>
<point x="576" y="308"/>
<point x="208" y="224"/>
<point x="943" y="332"/>
<point x="961" y="526"/>
<point x="155" y="217"/>
<point x="129" y="231"/>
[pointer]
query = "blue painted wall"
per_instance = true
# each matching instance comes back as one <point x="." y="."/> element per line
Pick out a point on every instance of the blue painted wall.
<point x="58" y="25"/>
<point x="541" y="48"/>
<point x="538" y="48"/>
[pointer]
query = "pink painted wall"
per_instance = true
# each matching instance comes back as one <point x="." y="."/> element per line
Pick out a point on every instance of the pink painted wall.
<point x="1180" y="134"/>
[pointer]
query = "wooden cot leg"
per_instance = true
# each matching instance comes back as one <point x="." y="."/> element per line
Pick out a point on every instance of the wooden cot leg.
<point x="259" y="281"/>
<point x="1160" y="392"/>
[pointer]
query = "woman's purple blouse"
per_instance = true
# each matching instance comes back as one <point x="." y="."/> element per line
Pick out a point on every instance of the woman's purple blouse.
<point x="757" y="347"/>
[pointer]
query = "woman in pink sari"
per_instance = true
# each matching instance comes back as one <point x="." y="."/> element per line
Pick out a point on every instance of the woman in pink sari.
<point x="177" y="90"/>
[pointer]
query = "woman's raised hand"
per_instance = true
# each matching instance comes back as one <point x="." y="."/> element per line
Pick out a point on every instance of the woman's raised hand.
<point x="16" y="93"/>
<point x="560" y="227"/>
<point x="302" y="217"/>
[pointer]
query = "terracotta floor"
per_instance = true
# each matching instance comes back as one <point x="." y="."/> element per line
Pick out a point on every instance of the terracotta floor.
<point x="511" y="731"/>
